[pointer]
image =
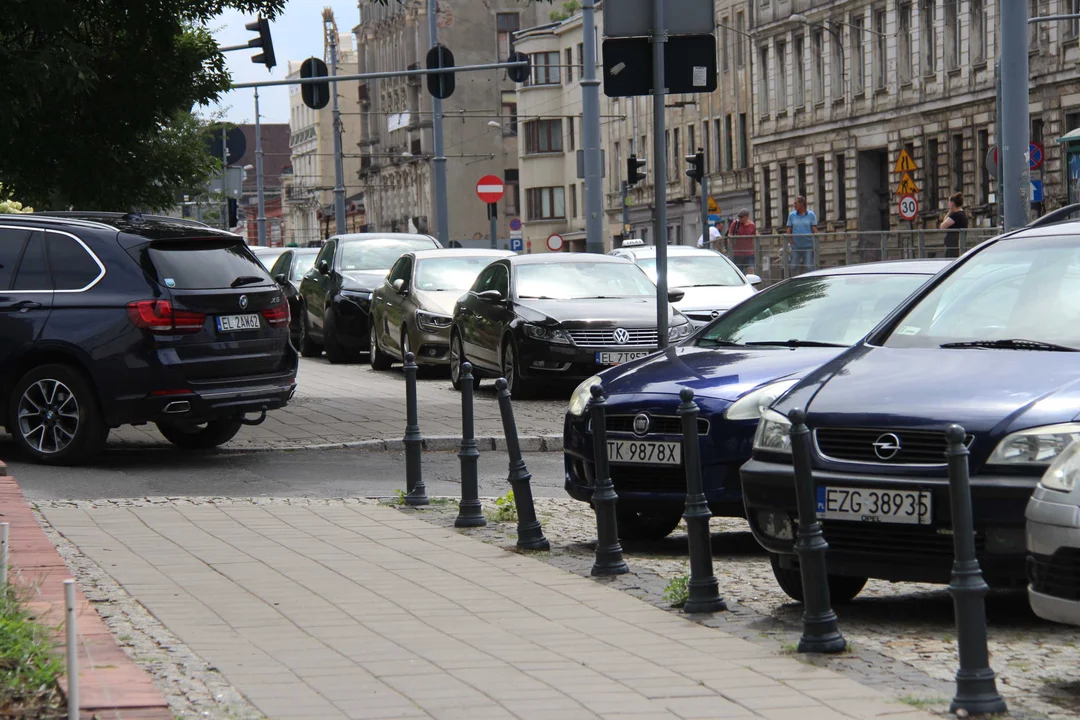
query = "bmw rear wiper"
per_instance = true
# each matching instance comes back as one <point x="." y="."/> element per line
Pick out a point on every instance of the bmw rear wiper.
<point x="245" y="280"/>
<point x="1012" y="344"/>
<point x="796" y="343"/>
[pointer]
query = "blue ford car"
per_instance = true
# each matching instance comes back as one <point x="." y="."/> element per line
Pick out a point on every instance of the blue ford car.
<point x="736" y="366"/>
<point x="991" y="344"/>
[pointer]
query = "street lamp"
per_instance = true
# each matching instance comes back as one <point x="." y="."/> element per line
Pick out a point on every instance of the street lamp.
<point x="499" y="125"/>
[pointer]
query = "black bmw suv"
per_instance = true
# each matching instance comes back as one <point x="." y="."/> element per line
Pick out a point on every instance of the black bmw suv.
<point x="109" y="319"/>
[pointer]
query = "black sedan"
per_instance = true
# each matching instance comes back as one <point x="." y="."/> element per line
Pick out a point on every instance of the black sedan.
<point x="538" y="319"/>
<point x="336" y="294"/>
<point x="288" y="271"/>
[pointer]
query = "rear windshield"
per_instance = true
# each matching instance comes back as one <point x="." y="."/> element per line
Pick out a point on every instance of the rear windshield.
<point x="201" y="264"/>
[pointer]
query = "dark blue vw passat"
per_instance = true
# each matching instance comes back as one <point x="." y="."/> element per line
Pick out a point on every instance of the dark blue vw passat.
<point x="736" y="366"/>
<point x="992" y="345"/>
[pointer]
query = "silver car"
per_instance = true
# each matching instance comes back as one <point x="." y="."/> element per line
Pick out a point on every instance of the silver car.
<point x="413" y="309"/>
<point x="1053" y="539"/>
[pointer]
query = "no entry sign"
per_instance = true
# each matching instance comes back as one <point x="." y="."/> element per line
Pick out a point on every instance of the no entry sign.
<point x="490" y="189"/>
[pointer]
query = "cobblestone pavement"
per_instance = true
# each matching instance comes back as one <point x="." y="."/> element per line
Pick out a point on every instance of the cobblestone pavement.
<point x="339" y="404"/>
<point x="901" y="635"/>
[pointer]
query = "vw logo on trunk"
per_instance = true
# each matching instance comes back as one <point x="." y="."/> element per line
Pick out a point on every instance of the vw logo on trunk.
<point x="243" y="302"/>
<point x="641" y="424"/>
<point x="621" y="336"/>
<point x="886" y="446"/>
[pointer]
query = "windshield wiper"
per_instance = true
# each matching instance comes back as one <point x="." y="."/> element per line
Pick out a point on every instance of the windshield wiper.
<point x="718" y="343"/>
<point x="796" y="343"/>
<point x="245" y="280"/>
<point x="1012" y="344"/>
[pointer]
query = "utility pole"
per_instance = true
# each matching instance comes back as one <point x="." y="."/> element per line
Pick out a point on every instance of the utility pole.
<point x="438" y="166"/>
<point x="705" y="232"/>
<point x="1015" y="117"/>
<point x="260" y="221"/>
<point x="339" y="163"/>
<point x="1000" y="197"/>
<point x="625" y="211"/>
<point x="224" y="180"/>
<point x="590" y="129"/>
<point x="659" y="92"/>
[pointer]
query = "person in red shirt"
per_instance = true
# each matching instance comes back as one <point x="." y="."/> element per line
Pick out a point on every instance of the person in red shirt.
<point x="741" y="236"/>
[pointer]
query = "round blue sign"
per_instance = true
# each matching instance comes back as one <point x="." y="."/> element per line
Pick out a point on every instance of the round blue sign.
<point x="515" y="224"/>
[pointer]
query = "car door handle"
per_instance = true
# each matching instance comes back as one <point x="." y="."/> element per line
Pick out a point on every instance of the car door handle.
<point x="20" y="305"/>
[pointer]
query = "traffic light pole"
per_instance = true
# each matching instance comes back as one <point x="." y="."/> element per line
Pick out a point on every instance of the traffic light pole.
<point x="438" y="167"/>
<point x="339" y="163"/>
<point x="658" y="39"/>
<point x="590" y="122"/>
<point x="705" y="232"/>
<point x="260" y="221"/>
<point x="224" y="181"/>
<point x="1015" y="116"/>
<point x="625" y="211"/>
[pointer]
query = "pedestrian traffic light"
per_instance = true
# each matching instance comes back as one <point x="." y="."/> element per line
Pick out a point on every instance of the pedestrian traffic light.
<point x="440" y="85"/>
<point x="635" y="172"/>
<point x="314" y="95"/>
<point x="234" y="212"/>
<point x="697" y="165"/>
<point x="264" y="41"/>
<point x="518" y="74"/>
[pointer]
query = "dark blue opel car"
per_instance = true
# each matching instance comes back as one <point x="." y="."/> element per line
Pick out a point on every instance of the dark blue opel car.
<point x="736" y="366"/>
<point x="991" y="344"/>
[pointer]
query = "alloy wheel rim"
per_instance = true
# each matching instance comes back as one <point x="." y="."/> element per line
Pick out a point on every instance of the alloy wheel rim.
<point x="508" y="367"/>
<point x="406" y="347"/>
<point x="455" y="360"/>
<point x="48" y="416"/>
<point x="374" y="342"/>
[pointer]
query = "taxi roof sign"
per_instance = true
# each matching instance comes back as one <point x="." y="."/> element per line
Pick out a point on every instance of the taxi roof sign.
<point x="636" y="242"/>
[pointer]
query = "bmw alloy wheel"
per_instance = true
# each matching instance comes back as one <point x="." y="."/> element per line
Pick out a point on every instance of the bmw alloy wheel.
<point x="48" y="416"/>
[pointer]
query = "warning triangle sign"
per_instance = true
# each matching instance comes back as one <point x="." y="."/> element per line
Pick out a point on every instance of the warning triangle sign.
<point x="907" y="186"/>
<point x="713" y="207"/>
<point x="904" y="163"/>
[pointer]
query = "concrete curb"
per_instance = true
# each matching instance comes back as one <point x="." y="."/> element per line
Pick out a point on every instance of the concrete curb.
<point x="435" y="443"/>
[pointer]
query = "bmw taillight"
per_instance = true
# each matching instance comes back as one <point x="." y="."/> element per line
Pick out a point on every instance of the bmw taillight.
<point x="277" y="317"/>
<point x="159" y="316"/>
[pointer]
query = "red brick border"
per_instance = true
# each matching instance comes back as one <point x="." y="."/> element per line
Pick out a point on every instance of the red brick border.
<point x="111" y="685"/>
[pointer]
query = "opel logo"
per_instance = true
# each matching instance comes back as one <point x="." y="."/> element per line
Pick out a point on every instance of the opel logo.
<point x="621" y="336"/>
<point x="243" y="302"/>
<point x="641" y="424"/>
<point x="886" y="446"/>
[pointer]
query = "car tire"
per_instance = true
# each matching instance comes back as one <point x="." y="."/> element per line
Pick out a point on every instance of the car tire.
<point x="378" y="359"/>
<point x="842" y="589"/>
<point x="336" y="353"/>
<point x="54" y="389"/>
<point x="308" y="348"/>
<point x="202" y="436"/>
<point x="518" y="386"/>
<point x="457" y="357"/>
<point x="646" y="526"/>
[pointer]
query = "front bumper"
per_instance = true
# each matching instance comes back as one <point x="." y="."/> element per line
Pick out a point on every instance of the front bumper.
<point x="915" y="553"/>
<point x="555" y="361"/>
<point x="432" y="348"/>
<point x="1053" y="563"/>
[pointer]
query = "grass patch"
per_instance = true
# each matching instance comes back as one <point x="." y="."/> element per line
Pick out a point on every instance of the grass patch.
<point x="677" y="591"/>
<point x="505" y="509"/>
<point x="923" y="703"/>
<point x="29" y="664"/>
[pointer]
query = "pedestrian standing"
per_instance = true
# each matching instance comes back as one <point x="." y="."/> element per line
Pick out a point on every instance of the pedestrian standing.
<point x="714" y="235"/>
<point x="955" y="222"/>
<point x="802" y="224"/>
<point x="741" y="236"/>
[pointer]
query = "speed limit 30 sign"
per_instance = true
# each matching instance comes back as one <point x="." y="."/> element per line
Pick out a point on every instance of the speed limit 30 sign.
<point x="909" y="207"/>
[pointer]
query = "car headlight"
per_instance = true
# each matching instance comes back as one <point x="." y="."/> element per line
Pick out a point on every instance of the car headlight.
<point x="430" y="322"/>
<point x="773" y="433"/>
<point x="555" y="335"/>
<point x="679" y="332"/>
<point x="1062" y="473"/>
<point x="581" y="396"/>
<point x="1035" y="446"/>
<point x="753" y="404"/>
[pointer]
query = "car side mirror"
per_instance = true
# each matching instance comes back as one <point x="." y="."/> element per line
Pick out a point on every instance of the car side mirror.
<point x="399" y="286"/>
<point x="280" y="279"/>
<point x="324" y="267"/>
<point x="675" y="295"/>
<point x="753" y="279"/>
<point x="492" y="295"/>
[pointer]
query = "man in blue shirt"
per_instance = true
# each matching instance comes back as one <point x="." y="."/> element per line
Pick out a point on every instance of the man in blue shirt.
<point x="802" y="224"/>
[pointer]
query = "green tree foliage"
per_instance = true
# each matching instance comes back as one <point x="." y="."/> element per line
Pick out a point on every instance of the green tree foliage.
<point x="569" y="9"/>
<point x="98" y="98"/>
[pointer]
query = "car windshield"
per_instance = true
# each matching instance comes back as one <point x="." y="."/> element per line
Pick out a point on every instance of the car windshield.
<point x="579" y="280"/>
<point x="454" y="273"/>
<point x="1021" y="294"/>
<point x="268" y="256"/>
<point x="379" y="253"/>
<point x="824" y="310"/>
<point x="304" y="262"/>
<point x="695" y="271"/>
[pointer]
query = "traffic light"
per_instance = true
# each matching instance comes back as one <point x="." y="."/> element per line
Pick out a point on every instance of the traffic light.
<point x="266" y="57"/>
<point x="234" y="212"/>
<point x="315" y="95"/>
<point x="697" y="165"/>
<point x="440" y="85"/>
<point x="518" y="74"/>
<point x="635" y="172"/>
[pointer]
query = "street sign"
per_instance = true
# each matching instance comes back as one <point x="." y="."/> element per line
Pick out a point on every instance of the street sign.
<point x="991" y="162"/>
<point x="714" y="209"/>
<point x="1035" y="156"/>
<point x="1036" y="191"/>
<point x="909" y="207"/>
<point x="689" y="66"/>
<point x="515" y="224"/>
<point x="515" y="234"/>
<point x="490" y="189"/>
<point x="634" y="18"/>
<point x="554" y="242"/>
<point x="314" y="95"/>
<point x="904" y="163"/>
<point x="515" y="244"/>
<point x="713" y="219"/>
<point x="907" y="186"/>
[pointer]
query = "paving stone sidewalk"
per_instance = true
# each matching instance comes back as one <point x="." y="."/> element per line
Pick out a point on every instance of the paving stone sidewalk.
<point x="354" y="610"/>
<point x="345" y="404"/>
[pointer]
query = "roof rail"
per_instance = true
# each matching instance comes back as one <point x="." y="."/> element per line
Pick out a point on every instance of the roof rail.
<point x="1055" y="216"/>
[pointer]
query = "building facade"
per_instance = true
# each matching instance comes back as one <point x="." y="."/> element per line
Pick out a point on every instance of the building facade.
<point x="394" y="126"/>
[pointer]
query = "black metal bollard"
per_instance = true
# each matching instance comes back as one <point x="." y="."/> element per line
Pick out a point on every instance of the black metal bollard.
<point x="609" y="557"/>
<point x="530" y="534"/>
<point x="469" y="512"/>
<point x="704" y="590"/>
<point x="415" y="490"/>
<point x="976" y="689"/>
<point x="821" y="631"/>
